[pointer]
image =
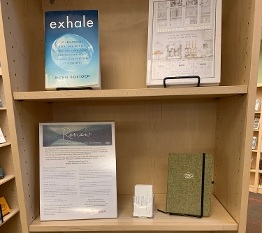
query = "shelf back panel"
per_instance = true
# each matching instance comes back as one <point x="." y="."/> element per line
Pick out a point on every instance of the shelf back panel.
<point x="6" y="161"/>
<point x="146" y="132"/>
<point x="9" y="192"/>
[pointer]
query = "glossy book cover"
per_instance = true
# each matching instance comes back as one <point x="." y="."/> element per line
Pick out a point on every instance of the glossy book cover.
<point x="72" y="58"/>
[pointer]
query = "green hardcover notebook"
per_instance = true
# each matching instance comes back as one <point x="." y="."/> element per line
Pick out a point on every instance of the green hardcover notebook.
<point x="189" y="184"/>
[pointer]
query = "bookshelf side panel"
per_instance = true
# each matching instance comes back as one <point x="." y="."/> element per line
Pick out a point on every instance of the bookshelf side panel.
<point x="28" y="116"/>
<point x="237" y="39"/>
<point x="23" y="33"/>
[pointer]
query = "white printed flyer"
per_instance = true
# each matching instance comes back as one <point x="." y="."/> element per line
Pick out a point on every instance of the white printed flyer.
<point x="184" y="39"/>
<point x="77" y="171"/>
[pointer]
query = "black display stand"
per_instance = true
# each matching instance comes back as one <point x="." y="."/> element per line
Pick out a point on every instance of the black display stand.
<point x="73" y="88"/>
<point x="182" y="77"/>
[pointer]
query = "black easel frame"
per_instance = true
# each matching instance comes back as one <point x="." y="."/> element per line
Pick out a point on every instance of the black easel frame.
<point x="182" y="77"/>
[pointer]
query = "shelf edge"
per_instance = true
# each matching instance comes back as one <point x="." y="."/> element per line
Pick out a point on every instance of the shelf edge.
<point x="219" y="220"/>
<point x="9" y="216"/>
<point x="6" y="179"/>
<point x="120" y="94"/>
<point x="5" y="144"/>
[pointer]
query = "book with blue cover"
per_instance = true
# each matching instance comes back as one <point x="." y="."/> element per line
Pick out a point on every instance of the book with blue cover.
<point x="72" y="57"/>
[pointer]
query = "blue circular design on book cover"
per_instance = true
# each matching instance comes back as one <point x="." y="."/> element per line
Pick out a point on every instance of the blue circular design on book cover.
<point x="71" y="52"/>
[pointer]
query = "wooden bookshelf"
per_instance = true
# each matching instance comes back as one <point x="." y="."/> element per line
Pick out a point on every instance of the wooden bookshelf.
<point x="133" y="94"/>
<point x="254" y="178"/>
<point x="150" y="122"/>
<point x="9" y="186"/>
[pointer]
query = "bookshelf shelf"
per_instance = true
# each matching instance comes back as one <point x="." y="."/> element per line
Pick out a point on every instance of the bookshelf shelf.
<point x="218" y="221"/>
<point x="5" y="144"/>
<point x="9" y="216"/>
<point x="6" y="179"/>
<point x="133" y="94"/>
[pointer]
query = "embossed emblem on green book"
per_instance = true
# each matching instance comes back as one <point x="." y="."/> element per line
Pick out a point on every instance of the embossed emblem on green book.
<point x="185" y="193"/>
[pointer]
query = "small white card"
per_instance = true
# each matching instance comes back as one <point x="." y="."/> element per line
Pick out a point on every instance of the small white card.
<point x="143" y="202"/>
<point x="2" y="138"/>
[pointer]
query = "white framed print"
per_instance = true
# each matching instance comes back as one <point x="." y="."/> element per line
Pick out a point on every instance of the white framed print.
<point x="77" y="170"/>
<point x="184" y="40"/>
